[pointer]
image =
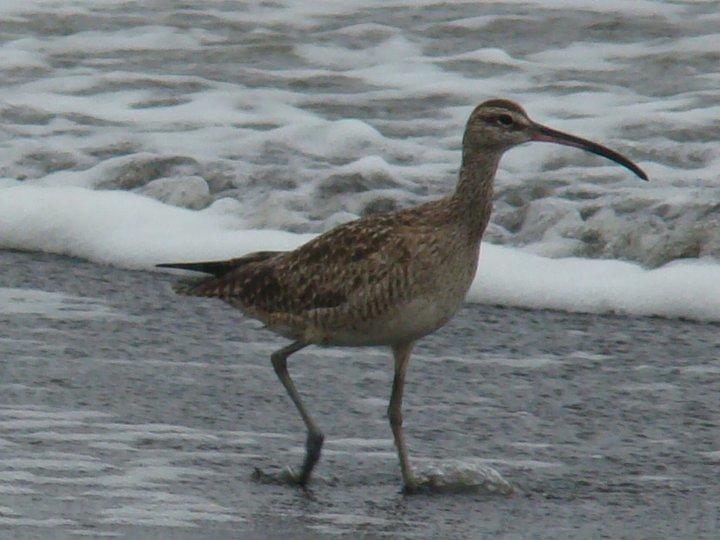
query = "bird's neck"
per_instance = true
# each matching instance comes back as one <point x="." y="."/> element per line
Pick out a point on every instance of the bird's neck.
<point x="474" y="192"/>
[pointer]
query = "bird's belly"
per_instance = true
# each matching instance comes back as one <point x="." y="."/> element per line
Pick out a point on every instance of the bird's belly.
<point x="406" y="322"/>
<point x="434" y="299"/>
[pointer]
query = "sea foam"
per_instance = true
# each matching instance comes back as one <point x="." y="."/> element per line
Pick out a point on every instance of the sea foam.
<point x="128" y="230"/>
<point x="282" y="107"/>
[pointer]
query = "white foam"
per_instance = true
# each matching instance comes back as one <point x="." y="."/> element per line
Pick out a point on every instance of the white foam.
<point x="16" y="425"/>
<point x="689" y="289"/>
<point x="53" y="305"/>
<point x="8" y="489"/>
<point x="132" y="231"/>
<point x="48" y="414"/>
<point x="330" y="139"/>
<point x="70" y="463"/>
<point x="137" y="39"/>
<point x="396" y="48"/>
<point x="460" y="476"/>
<point x="13" y="55"/>
<point x="122" y="228"/>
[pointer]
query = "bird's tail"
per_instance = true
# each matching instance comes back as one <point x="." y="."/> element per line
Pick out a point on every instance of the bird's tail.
<point x="189" y="286"/>
<point x="215" y="268"/>
<point x="201" y="286"/>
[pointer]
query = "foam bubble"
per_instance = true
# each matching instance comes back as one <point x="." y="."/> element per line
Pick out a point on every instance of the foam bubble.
<point x="458" y="477"/>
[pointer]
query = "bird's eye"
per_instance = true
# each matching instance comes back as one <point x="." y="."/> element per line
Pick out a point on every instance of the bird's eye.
<point x="504" y="120"/>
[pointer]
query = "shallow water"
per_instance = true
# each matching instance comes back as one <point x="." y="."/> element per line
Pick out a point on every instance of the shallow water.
<point x="307" y="115"/>
<point x="146" y="417"/>
<point x="126" y="411"/>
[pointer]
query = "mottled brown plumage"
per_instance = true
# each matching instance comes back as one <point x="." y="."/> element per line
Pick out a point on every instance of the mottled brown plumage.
<point x="387" y="279"/>
<point x="349" y="280"/>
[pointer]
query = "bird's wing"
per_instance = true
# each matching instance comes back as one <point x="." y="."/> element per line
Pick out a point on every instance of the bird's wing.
<point x="353" y="262"/>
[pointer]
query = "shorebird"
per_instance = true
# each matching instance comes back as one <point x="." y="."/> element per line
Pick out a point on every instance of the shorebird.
<point x="387" y="279"/>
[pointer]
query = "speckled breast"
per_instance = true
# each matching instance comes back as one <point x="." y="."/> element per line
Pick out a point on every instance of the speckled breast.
<point x="419" y="316"/>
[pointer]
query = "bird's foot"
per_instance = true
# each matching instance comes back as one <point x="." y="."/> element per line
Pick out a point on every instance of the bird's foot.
<point x="283" y="476"/>
<point x="412" y="488"/>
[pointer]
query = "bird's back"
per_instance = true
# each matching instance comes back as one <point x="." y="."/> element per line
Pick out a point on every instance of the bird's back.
<point x="361" y="283"/>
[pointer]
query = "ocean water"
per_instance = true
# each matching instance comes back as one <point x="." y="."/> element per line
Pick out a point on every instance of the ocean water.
<point x="133" y="133"/>
<point x="299" y="115"/>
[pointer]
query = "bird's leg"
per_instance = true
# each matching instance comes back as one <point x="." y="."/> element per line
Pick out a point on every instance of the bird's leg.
<point x="402" y="357"/>
<point x="314" y="436"/>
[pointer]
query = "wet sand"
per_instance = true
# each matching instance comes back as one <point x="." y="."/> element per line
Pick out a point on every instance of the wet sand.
<point x="126" y="411"/>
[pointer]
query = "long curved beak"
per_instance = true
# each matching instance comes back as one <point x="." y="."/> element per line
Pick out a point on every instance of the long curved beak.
<point x="545" y="134"/>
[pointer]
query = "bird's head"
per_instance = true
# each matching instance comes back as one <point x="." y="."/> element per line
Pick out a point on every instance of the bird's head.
<point x="499" y="124"/>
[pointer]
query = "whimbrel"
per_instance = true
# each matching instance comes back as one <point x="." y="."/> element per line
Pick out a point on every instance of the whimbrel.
<point x="387" y="279"/>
